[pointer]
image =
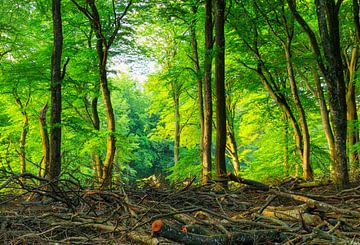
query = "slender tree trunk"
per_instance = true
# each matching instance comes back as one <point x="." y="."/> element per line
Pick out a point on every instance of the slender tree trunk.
<point x="177" y="126"/>
<point x="352" y="117"/>
<point x="56" y="78"/>
<point x="97" y="162"/>
<point x="288" y="24"/>
<point x="22" y="153"/>
<point x="24" y="130"/>
<point x="231" y="146"/>
<point x="102" y="51"/>
<point x="284" y="106"/>
<point x="111" y="139"/>
<point x="325" y="117"/>
<point x="330" y="35"/>
<point x="286" y="146"/>
<point x="199" y="83"/>
<point x="220" y="163"/>
<point x="207" y="162"/>
<point x="305" y="158"/>
<point x="44" y="167"/>
<point x="328" y="22"/>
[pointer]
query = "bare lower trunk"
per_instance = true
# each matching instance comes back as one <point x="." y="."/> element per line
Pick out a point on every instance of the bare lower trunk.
<point x="305" y="158"/>
<point x="325" y="120"/>
<point x="56" y="78"/>
<point x="97" y="162"/>
<point x="177" y="129"/>
<point x="286" y="146"/>
<point x="44" y="167"/>
<point x="333" y="73"/>
<point x="231" y="147"/>
<point x="352" y="117"/>
<point x="220" y="163"/>
<point x="111" y="139"/>
<point x="207" y="161"/>
<point x="22" y="154"/>
<point x="199" y="83"/>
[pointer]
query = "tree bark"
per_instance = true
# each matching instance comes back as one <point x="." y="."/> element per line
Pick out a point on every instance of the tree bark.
<point x="220" y="163"/>
<point x="286" y="145"/>
<point x="325" y="117"/>
<point x="352" y="117"/>
<point x="103" y="45"/>
<point x="231" y="147"/>
<point x="286" y="42"/>
<point x="24" y="129"/>
<point x="197" y="70"/>
<point x="56" y="79"/>
<point x="102" y="52"/>
<point x="111" y="139"/>
<point x="44" y="167"/>
<point x="177" y="125"/>
<point x="328" y="22"/>
<point x="22" y="153"/>
<point x="97" y="162"/>
<point x="305" y="157"/>
<point x="207" y="162"/>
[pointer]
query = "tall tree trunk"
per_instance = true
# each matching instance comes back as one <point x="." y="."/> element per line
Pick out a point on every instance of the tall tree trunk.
<point x="305" y="157"/>
<point x="56" y="78"/>
<point x="44" y="167"/>
<point x="328" y="22"/>
<point x="328" y="14"/>
<point x="352" y="117"/>
<point x="288" y="24"/>
<point x="102" y="51"/>
<point x="199" y="82"/>
<point x="177" y="126"/>
<point x="22" y="153"/>
<point x="286" y="146"/>
<point x="97" y="162"/>
<point x="207" y="162"/>
<point x="24" y="129"/>
<point x="281" y="101"/>
<point x="220" y="163"/>
<point x="324" y="117"/>
<point x="103" y="45"/>
<point x="231" y="147"/>
<point x="111" y="139"/>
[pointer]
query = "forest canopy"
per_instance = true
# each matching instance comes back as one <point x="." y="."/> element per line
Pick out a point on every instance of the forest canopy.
<point x="110" y="92"/>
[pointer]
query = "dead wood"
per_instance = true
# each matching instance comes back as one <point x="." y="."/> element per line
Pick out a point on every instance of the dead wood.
<point x="72" y="214"/>
<point x="312" y="203"/>
<point x="253" y="183"/>
<point x="159" y="228"/>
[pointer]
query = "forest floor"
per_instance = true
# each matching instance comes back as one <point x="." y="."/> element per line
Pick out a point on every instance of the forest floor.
<point x="291" y="213"/>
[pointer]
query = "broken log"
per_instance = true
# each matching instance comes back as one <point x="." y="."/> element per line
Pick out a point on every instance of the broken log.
<point x="253" y="183"/>
<point x="297" y="213"/>
<point x="159" y="228"/>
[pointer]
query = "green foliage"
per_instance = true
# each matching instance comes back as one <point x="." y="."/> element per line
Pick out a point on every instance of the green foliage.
<point x="155" y="38"/>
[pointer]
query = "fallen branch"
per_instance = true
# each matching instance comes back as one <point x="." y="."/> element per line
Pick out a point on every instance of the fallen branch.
<point x="317" y="204"/>
<point x="159" y="228"/>
<point x="253" y="183"/>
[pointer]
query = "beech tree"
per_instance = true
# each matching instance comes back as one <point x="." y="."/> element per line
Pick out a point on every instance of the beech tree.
<point x="56" y="79"/>
<point x="220" y="163"/>
<point x="207" y="161"/>
<point x="329" y="62"/>
<point x="103" y="45"/>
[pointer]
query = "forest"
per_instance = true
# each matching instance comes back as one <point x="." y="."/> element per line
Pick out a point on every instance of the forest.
<point x="179" y="122"/>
